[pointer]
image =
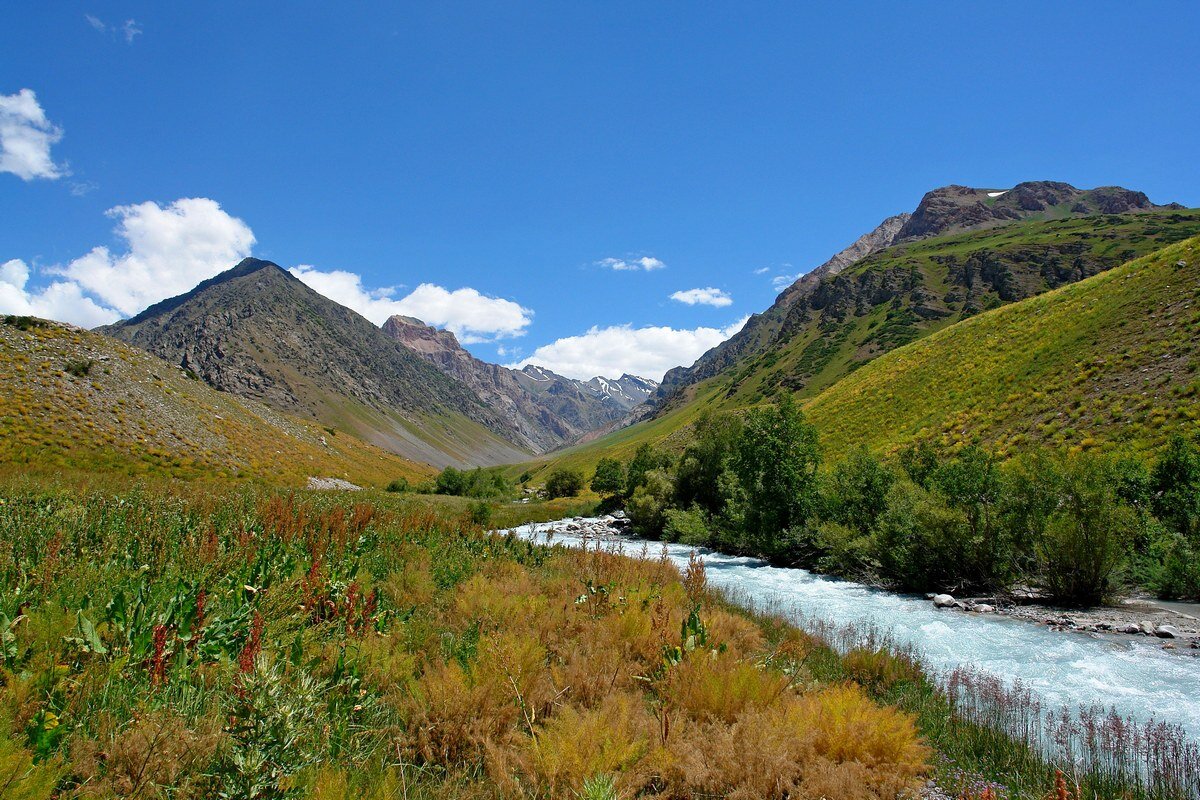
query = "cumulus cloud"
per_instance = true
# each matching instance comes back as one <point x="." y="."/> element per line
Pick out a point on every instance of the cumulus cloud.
<point x="61" y="300"/>
<point x="169" y="250"/>
<point x="26" y="136"/>
<point x="707" y="296"/>
<point x="473" y="316"/>
<point x="784" y="281"/>
<point x="623" y="349"/>
<point x="644" y="263"/>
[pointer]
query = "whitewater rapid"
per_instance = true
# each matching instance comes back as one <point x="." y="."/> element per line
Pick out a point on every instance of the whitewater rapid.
<point x="1133" y="675"/>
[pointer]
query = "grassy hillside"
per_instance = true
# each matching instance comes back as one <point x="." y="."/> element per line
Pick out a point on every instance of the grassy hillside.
<point x="77" y="401"/>
<point x="1111" y="362"/>
<point x="1106" y="362"/>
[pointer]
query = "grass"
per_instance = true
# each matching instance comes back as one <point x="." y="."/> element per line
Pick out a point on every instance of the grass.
<point x="1109" y="363"/>
<point x="77" y="403"/>
<point x="257" y="644"/>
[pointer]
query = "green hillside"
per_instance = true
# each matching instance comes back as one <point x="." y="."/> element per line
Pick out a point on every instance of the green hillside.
<point x="1104" y="361"/>
<point x="75" y="401"/>
<point x="1110" y="362"/>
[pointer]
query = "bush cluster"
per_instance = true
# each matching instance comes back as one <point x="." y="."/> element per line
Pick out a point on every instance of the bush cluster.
<point x="1078" y="526"/>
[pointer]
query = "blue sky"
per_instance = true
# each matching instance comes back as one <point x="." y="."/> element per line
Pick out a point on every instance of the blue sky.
<point x="490" y="164"/>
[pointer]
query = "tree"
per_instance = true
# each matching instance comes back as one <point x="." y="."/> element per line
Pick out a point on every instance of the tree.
<point x="563" y="483"/>
<point x="1082" y="550"/>
<point x="1175" y="487"/>
<point x="648" y="506"/>
<point x="972" y="483"/>
<point x="646" y="458"/>
<point x="776" y="463"/>
<point x="706" y="457"/>
<point x="858" y="490"/>
<point x="450" y="481"/>
<point x="609" y="478"/>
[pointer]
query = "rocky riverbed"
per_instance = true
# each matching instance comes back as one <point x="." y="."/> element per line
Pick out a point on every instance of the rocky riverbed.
<point x="1136" y="616"/>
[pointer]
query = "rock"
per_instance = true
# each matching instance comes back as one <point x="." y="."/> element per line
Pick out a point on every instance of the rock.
<point x="983" y="608"/>
<point x="618" y="514"/>
<point x="1130" y="628"/>
<point x="944" y="601"/>
<point x="1167" y="632"/>
<point x="1146" y="628"/>
<point x="334" y="484"/>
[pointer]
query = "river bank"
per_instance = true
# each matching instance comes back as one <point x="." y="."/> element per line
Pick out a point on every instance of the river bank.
<point x="1133" y="674"/>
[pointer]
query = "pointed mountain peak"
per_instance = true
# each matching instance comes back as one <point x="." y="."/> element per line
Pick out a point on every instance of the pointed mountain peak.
<point x="425" y="339"/>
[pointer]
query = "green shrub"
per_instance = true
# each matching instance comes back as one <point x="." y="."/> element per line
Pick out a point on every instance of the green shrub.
<point x="481" y="513"/>
<point x="648" y="506"/>
<point x="398" y="485"/>
<point x="564" y="483"/>
<point x="688" y="527"/>
<point x="78" y="368"/>
<point x="609" y="478"/>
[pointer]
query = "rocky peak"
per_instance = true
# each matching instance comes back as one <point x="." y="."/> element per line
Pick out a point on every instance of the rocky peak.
<point x="958" y="208"/>
<point x="424" y="339"/>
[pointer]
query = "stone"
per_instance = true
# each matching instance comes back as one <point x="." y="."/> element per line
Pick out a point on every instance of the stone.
<point x="983" y="608"/>
<point x="1167" y="632"/>
<point x="1146" y="627"/>
<point x="944" y="601"/>
<point x="1130" y="628"/>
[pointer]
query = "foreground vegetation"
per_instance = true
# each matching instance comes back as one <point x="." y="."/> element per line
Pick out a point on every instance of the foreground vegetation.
<point x="1079" y="526"/>
<point x="261" y="645"/>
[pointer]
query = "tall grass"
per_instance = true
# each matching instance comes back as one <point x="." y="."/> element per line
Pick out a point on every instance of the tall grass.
<point x="257" y="645"/>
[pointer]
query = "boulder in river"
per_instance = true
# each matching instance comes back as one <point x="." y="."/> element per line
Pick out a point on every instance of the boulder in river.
<point x="983" y="608"/>
<point x="1146" y="627"/>
<point x="1167" y="632"/>
<point x="944" y="601"/>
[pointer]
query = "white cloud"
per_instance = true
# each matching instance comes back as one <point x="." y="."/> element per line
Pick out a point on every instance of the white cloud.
<point x="704" y="297"/>
<point x="472" y="316"/>
<point x="127" y="30"/>
<point x="783" y="281"/>
<point x="762" y="270"/>
<point x="620" y="349"/>
<point x="61" y="300"/>
<point x="646" y="263"/>
<point x="170" y="249"/>
<point x="26" y="136"/>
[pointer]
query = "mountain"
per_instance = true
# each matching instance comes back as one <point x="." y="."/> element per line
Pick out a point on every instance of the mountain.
<point x="75" y="400"/>
<point x="941" y="212"/>
<point x="888" y="300"/>
<point x="546" y="409"/>
<point x="257" y="331"/>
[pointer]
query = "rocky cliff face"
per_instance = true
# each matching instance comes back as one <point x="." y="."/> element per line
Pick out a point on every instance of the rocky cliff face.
<point x="959" y="208"/>
<point x="547" y="409"/>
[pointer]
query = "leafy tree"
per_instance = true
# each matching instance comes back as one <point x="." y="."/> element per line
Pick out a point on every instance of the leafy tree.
<point x="450" y="481"/>
<point x="776" y="465"/>
<point x="563" y="483"/>
<point x="609" y="478"/>
<point x="919" y="461"/>
<point x="972" y="484"/>
<point x="704" y="461"/>
<point x="1175" y="487"/>
<point x="648" y="506"/>
<point x="1082" y="548"/>
<point x="857" y="490"/>
<point x="646" y="458"/>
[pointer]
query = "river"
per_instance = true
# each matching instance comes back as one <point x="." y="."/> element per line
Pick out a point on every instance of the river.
<point x="1136" y="676"/>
